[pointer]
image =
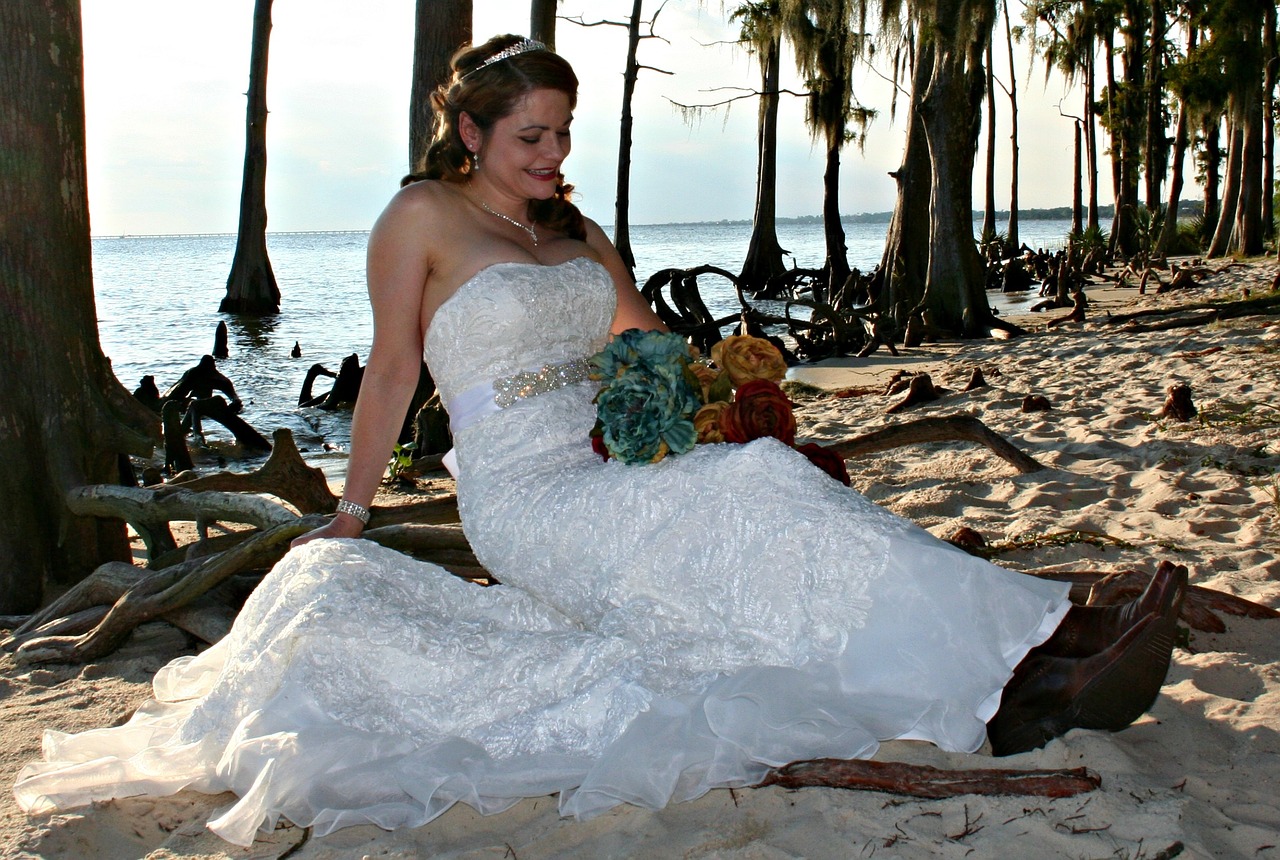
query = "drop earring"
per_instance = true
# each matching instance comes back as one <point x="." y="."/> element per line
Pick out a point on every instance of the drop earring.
<point x="475" y="162"/>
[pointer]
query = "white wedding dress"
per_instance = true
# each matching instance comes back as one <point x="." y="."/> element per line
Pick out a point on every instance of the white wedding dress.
<point x="661" y="630"/>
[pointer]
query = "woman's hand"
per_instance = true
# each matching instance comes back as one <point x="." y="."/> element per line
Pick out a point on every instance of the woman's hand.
<point x="341" y="526"/>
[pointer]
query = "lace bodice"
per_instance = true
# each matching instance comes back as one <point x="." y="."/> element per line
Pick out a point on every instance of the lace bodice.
<point x="515" y="317"/>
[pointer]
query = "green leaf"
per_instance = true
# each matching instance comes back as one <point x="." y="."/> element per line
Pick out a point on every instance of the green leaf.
<point x="721" y="389"/>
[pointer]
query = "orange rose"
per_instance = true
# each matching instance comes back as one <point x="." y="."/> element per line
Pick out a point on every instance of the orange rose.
<point x="759" y="409"/>
<point x="746" y="358"/>
<point x="707" y="421"/>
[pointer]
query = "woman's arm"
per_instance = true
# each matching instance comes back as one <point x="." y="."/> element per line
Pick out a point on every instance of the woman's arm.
<point x="633" y="311"/>
<point x="397" y="270"/>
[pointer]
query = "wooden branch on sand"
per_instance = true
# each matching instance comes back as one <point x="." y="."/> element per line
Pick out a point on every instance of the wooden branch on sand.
<point x="930" y="782"/>
<point x="285" y="474"/>
<point x="1200" y="607"/>
<point x="158" y="593"/>
<point x="936" y="429"/>
<point x="1197" y="314"/>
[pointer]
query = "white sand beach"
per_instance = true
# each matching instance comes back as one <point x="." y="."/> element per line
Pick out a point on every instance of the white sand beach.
<point x="1121" y="489"/>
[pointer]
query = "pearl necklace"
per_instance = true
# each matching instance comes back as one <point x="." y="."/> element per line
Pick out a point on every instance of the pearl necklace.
<point x="510" y="220"/>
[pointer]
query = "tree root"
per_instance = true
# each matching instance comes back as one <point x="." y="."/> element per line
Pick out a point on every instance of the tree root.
<point x="285" y="474"/>
<point x="1200" y="607"/>
<point x="920" y="389"/>
<point x="930" y="782"/>
<point x="159" y="593"/>
<point x="1186" y="315"/>
<point x="144" y="508"/>
<point x="936" y="429"/>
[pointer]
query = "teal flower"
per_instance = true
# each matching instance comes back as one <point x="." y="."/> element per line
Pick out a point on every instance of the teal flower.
<point x="646" y="413"/>
<point x="652" y="350"/>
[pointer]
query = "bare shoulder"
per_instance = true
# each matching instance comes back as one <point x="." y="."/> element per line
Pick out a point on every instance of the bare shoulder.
<point x="420" y="203"/>
<point x="596" y="237"/>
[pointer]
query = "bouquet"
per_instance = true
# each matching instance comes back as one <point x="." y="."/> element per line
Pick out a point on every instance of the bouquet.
<point x="658" y="398"/>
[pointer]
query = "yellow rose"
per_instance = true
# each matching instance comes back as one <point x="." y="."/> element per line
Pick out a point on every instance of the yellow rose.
<point x="707" y="421"/>
<point x="746" y="358"/>
<point x="706" y="376"/>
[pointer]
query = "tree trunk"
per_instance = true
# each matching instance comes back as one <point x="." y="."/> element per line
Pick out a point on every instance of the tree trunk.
<point x="837" y="249"/>
<point x="64" y="418"/>
<point x="1272" y="62"/>
<point x="1131" y="117"/>
<point x="1112" y="123"/>
<point x="621" y="228"/>
<point x="1012" y="231"/>
<point x="1212" y="174"/>
<point x="1181" y="136"/>
<point x="1245" y="107"/>
<point x="1230" y="187"/>
<point x="764" y="253"/>
<point x="1169" y="229"/>
<point x="1091" y="135"/>
<point x="955" y="296"/>
<point x="542" y="21"/>
<point x="1077" y="191"/>
<point x="1155" y="148"/>
<point x="1246" y="228"/>
<point x="440" y="28"/>
<point x="904" y="266"/>
<point x="989" y="185"/>
<point x="251" y="286"/>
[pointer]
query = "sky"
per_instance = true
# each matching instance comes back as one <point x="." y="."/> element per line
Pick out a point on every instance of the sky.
<point x="165" y="114"/>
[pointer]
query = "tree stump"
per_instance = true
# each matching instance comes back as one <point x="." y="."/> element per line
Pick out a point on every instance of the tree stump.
<point x="1178" y="405"/>
<point x="1036" y="403"/>
<point x="920" y="389"/>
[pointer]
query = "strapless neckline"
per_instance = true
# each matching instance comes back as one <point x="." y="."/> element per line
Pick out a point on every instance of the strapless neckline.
<point x="572" y="261"/>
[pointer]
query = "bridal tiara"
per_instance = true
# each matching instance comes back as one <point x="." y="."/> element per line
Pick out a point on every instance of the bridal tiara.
<point x="521" y="47"/>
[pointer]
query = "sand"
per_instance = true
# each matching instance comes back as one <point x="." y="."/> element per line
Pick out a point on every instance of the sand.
<point x="1198" y="774"/>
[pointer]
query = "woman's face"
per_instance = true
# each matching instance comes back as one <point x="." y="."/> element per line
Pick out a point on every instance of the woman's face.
<point x="522" y="153"/>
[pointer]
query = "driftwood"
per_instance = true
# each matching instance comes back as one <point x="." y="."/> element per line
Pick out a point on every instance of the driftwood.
<point x="937" y="429"/>
<point x="1200" y="608"/>
<point x="177" y="458"/>
<point x="1199" y="314"/>
<point x="142" y="507"/>
<point x="346" y="386"/>
<point x="306" y="396"/>
<point x="915" y="780"/>
<point x="444" y="545"/>
<point x="285" y="474"/>
<point x="82" y="607"/>
<point x="217" y="408"/>
<point x="161" y="592"/>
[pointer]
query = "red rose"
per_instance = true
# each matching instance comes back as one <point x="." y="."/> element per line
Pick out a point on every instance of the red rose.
<point x="826" y="460"/>
<point x="759" y="409"/>
<point x="597" y="445"/>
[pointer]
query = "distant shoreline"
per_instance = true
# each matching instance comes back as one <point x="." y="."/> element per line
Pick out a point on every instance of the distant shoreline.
<point x="1060" y="213"/>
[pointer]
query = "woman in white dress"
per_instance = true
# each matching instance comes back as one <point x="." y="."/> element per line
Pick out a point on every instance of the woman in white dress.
<point x="661" y="629"/>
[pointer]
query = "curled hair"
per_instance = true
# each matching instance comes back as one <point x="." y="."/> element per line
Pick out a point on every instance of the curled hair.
<point x="487" y="94"/>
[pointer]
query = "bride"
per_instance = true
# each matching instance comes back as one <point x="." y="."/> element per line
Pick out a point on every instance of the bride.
<point x="661" y="630"/>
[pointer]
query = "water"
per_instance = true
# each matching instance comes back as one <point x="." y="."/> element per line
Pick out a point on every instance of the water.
<point x="157" y="300"/>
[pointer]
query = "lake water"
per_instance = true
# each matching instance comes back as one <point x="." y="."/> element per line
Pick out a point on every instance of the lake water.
<point x="157" y="301"/>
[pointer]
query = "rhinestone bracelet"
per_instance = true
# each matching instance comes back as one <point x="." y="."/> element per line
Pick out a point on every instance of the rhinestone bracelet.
<point x="360" y="512"/>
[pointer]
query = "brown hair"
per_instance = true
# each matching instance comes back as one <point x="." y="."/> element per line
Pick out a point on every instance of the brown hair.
<point x="488" y="93"/>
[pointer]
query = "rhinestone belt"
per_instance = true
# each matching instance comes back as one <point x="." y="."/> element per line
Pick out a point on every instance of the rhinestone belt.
<point x="529" y="383"/>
